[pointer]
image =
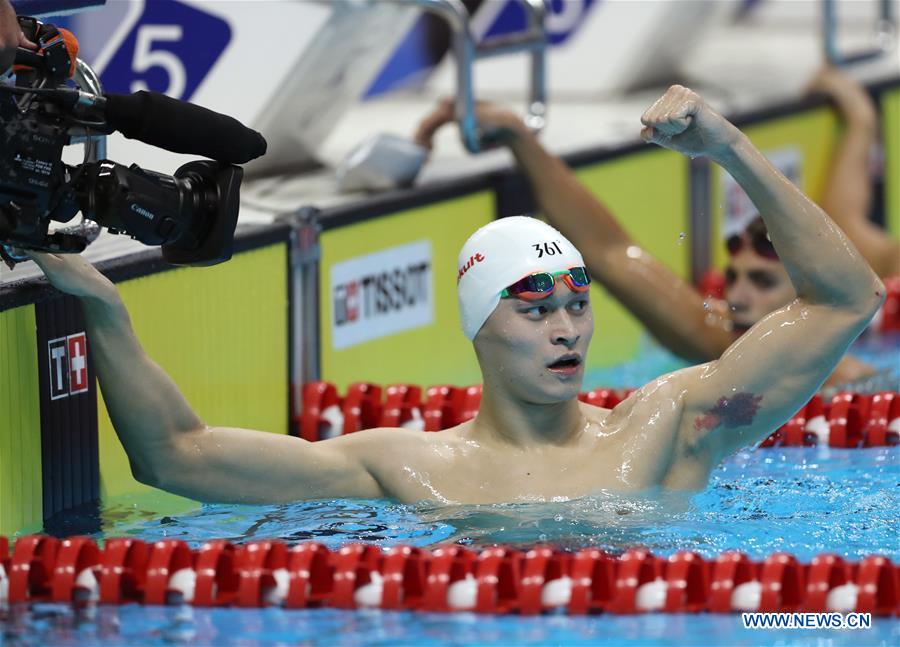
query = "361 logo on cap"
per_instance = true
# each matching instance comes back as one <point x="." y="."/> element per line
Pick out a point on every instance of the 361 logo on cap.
<point x="68" y="366"/>
<point x="550" y="248"/>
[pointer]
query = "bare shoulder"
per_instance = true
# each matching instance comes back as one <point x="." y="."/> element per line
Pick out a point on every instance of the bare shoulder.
<point x="378" y="438"/>
<point x="386" y="445"/>
<point x="664" y="394"/>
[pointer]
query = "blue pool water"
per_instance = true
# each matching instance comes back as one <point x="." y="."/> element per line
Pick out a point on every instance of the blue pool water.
<point x="804" y="500"/>
<point x="800" y="500"/>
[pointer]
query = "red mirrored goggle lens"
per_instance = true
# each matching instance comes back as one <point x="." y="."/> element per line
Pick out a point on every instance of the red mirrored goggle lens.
<point x="541" y="284"/>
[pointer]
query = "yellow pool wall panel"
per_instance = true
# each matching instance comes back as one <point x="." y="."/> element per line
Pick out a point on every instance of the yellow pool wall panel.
<point x="21" y="488"/>
<point x="437" y="353"/>
<point x="221" y="334"/>
<point x="890" y="130"/>
<point x="648" y="192"/>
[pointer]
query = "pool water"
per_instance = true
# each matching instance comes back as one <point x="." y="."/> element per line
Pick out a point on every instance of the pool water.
<point x="804" y="500"/>
<point x="135" y="625"/>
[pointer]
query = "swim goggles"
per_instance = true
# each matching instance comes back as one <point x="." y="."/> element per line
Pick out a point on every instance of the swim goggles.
<point x="759" y="241"/>
<point x="540" y="285"/>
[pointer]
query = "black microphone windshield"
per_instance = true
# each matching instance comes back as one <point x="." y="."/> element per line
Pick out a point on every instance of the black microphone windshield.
<point x="182" y="127"/>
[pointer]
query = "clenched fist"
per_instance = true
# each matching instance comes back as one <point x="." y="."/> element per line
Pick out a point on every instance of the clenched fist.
<point x="682" y="121"/>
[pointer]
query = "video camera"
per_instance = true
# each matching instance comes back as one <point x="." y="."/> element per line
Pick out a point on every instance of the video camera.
<point x="191" y="214"/>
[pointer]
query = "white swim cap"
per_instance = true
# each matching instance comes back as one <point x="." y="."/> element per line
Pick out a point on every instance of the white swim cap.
<point x="501" y="253"/>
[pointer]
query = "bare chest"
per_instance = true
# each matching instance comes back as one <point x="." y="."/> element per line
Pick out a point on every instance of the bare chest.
<point x="623" y="460"/>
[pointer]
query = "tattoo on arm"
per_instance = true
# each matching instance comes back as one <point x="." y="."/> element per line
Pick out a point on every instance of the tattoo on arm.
<point x="737" y="411"/>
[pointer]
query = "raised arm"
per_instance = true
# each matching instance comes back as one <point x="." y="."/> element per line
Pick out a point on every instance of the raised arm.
<point x="774" y="368"/>
<point x="848" y="192"/>
<point x="169" y="446"/>
<point x="669" y="307"/>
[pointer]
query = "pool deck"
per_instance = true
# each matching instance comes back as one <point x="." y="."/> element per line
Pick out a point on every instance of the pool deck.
<point x="739" y="68"/>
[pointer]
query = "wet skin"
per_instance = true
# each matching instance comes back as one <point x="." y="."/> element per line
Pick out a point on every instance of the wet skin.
<point x="532" y="438"/>
<point x="560" y="448"/>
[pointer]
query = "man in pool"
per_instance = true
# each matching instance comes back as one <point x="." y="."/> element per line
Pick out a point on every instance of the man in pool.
<point x="524" y="305"/>
<point x="757" y="282"/>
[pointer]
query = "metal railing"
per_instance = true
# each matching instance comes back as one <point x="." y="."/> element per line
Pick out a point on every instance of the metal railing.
<point x="884" y="34"/>
<point x="87" y="79"/>
<point x="466" y="51"/>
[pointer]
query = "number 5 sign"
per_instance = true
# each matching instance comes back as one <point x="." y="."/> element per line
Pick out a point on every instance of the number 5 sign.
<point x="163" y="45"/>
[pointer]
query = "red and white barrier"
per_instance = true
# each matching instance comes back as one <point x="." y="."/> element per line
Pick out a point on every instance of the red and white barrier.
<point x="847" y="420"/>
<point x="495" y="580"/>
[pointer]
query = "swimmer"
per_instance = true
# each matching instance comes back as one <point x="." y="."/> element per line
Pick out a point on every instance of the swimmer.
<point x="695" y="328"/>
<point x="848" y="193"/>
<point x="523" y="299"/>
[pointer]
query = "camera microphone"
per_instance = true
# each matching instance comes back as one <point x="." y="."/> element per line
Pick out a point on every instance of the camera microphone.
<point x="158" y="120"/>
<point x="182" y="127"/>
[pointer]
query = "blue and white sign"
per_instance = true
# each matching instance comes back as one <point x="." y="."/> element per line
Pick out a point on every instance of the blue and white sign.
<point x="164" y="45"/>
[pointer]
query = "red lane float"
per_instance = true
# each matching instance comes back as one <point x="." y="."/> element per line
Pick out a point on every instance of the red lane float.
<point x="443" y="407"/>
<point x="318" y="397"/>
<point x="401" y="404"/>
<point x="498" y="580"/>
<point x="311" y="576"/>
<point x="734" y="584"/>
<point x="593" y="581"/>
<point x="888" y="317"/>
<point x="31" y="568"/>
<point x="448" y="578"/>
<point x="848" y="420"/>
<point x="74" y="574"/>
<point x="450" y="568"/>
<point x="167" y="557"/>
<point x="262" y="574"/>
<point x="362" y="407"/>
<point x="123" y="571"/>
<point x="687" y="578"/>
<point x="601" y="397"/>
<point x="217" y="574"/>
<point x="883" y="424"/>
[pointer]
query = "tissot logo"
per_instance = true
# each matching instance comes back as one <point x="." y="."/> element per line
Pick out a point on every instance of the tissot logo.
<point x="381" y="294"/>
<point x="67" y="358"/>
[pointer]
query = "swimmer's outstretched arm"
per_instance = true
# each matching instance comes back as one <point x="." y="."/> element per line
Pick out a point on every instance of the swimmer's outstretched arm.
<point x="668" y="306"/>
<point x="765" y="376"/>
<point x="848" y="192"/>
<point x="170" y="447"/>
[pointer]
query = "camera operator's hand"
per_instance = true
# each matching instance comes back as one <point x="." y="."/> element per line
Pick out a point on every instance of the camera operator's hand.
<point x="72" y="274"/>
<point x="11" y="36"/>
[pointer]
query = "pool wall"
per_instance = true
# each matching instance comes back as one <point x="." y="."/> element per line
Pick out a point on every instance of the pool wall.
<point x="220" y="332"/>
<point x="230" y="335"/>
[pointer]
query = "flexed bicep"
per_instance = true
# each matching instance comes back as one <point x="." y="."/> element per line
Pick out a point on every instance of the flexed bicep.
<point x="765" y="376"/>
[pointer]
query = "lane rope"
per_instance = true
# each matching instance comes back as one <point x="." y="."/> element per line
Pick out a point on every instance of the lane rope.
<point x="846" y="420"/>
<point x="494" y="580"/>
